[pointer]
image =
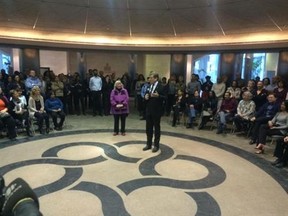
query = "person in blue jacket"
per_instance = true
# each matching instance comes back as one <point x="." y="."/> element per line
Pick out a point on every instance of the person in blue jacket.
<point x="54" y="107"/>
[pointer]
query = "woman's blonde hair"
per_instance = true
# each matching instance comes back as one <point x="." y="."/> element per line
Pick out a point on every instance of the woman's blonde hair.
<point x="117" y="82"/>
<point x="34" y="90"/>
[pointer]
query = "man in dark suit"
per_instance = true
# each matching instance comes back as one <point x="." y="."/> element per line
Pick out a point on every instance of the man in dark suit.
<point x="154" y="110"/>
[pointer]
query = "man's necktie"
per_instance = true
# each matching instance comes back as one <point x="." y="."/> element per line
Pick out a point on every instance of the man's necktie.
<point x="151" y="88"/>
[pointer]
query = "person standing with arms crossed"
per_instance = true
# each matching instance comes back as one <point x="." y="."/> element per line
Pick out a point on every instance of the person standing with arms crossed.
<point x="154" y="110"/>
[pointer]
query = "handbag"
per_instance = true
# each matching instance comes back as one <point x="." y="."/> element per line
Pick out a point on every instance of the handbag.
<point x="120" y="107"/>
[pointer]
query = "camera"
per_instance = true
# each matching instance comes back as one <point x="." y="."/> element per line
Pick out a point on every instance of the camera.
<point x="18" y="199"/>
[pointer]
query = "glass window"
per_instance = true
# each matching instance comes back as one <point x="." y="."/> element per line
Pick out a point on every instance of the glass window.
<point x="206" y="65"/>
<point x="5" y="62"/>
<point x="258" y="65"/>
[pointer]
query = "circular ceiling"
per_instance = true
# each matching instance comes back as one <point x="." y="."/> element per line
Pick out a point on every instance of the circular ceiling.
<point x="145" y="24"/>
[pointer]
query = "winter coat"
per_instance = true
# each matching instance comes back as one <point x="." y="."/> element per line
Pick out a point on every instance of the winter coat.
<point x="118" y="97"/>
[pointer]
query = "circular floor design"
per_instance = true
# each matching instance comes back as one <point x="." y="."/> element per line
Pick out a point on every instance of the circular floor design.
<point x="94" y="173"/>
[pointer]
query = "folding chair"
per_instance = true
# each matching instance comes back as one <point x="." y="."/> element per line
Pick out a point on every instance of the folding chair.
<point x="275" y="138"/>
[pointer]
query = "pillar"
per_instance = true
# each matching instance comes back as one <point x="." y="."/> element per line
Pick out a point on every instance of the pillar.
<point x="178" y="65"/>
<point x="30" y="60"/>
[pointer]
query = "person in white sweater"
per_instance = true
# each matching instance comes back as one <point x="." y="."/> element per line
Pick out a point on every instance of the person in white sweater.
<point x="245" y="111"/>
<point x="37" y="109"/>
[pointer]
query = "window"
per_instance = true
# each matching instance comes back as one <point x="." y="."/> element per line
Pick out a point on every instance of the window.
<point x="5" y="62"/>
<point x="258" y="65"/>
<point x="207" y="65"/>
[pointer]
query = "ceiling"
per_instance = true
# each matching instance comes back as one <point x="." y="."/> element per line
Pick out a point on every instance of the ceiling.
<point x="145" y="24"/>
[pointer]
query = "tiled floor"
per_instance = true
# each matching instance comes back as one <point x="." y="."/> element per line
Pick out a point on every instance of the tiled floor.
<point x="84" y="170"/>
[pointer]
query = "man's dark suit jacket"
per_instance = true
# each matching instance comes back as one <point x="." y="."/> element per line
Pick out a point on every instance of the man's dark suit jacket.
<point x="155" y="105"/>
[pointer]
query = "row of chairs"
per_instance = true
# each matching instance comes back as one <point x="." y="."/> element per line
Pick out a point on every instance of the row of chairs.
<point x="21" y="128"/>
<point x="213" y="122"/>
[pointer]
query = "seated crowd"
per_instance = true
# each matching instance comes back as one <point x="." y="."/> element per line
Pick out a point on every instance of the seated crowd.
<point x="15" y="113"/>
<point x="22" y="104"/>
<point x="258" y="110"/>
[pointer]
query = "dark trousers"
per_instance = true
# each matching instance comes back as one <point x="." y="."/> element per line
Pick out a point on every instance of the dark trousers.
<point x="241" y="124"/>
<point x="55" y="116"/>
<point x="9" y="122"/>
<point x="171" y="100"/>
<point x="96" y="102"/>
<point x="106" y="103"/>
<point x="90" y="104"/>
<point x="176" y="114"/>
<point x="265" y="131"/>
<point x="78" y="100"/>
<point x="144" y="108"/>
<point x="140" y="105"/>
<point x="24" y="117"/>
<point x="40" y="119"/>
<point x="204" y="120"/>
<point x="153" y="122"/>
<point x="116" y="122"/>
<point x="69" y="104"/>
<point x="281" y="151"/>
<point x="86" y="99"/>
<point x="63" y="100"/>
<point x="256" y="126"/>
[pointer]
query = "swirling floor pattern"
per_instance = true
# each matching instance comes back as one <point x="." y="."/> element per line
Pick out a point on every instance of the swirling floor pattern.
<point x="91" y="172"/>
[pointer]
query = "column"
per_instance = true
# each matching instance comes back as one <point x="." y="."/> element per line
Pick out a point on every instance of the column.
<point x="30" y="60"/>
<point x="82" y="64"/>
<point x="178" y="65"/>
<point x="227" y="66"/>
<point x="283" y="65"/>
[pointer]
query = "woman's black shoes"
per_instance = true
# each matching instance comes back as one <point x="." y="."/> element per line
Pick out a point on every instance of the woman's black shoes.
<point x="29" y="133"/>
<point x="277" y="161"/>
<point x="281" y="165"/>
<point x="146" y="148"/>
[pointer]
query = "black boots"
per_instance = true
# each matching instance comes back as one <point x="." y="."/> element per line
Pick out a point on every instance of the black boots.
<point x="221" y="128"/>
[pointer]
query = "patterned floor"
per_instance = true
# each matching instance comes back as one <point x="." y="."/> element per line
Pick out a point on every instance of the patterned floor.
<point x="90" y="172"/>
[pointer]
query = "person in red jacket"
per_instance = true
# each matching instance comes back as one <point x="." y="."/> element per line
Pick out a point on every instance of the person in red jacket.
<point x="6" y="120"/>
<point x="227" y="111"/>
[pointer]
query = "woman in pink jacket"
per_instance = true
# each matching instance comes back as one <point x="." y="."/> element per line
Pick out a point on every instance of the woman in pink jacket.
<point x="119" y="99"/>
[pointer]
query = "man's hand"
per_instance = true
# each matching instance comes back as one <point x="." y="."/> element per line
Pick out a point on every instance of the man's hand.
<point x="146" y="96"/>
<point x="155" y="94"/>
